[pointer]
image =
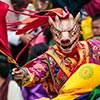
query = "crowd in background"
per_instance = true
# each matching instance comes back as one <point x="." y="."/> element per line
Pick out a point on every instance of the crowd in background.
<point x="90" y="28"/>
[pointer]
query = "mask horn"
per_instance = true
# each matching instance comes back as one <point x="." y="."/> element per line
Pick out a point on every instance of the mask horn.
<point x="57" y="21"/>
<point x="50" y="21"/>
<point x="77" y="18"/>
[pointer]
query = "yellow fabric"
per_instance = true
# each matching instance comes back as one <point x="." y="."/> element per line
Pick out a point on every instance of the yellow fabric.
<point x="86" y="28"/>
<point x="82" y="81"/>
<point x="43" y="99"/>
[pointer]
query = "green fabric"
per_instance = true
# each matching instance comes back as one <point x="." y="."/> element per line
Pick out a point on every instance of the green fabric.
<point x="51" y="43"/>
<point x="97" y="36"/>
<point x="95" y="93"/>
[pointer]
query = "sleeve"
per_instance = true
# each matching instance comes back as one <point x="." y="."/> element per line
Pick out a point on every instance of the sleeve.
<point x="36" y="72"/>
<point x="94" y="44"/>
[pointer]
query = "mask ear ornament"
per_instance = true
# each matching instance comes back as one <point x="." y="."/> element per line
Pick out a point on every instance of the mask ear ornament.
<point x="57" y="22"/>
<point x="77" y="18"/>
<point x="50" y="21"/>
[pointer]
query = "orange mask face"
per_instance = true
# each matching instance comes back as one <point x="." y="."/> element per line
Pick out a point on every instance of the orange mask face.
<point x="65" y="32"/>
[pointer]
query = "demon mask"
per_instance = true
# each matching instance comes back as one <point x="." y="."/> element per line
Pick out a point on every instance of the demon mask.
<point x="65" y="32"/>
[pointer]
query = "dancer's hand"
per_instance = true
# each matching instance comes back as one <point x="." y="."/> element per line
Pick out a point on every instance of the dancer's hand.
<point x="18" y="73"/>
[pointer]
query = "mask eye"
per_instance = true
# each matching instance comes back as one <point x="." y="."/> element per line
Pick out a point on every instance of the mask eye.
<point x="73" y="31"/>
<point x="56" y="32"/>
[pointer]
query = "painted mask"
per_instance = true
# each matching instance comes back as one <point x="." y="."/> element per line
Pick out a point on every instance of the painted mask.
<point x="65" y="32"/>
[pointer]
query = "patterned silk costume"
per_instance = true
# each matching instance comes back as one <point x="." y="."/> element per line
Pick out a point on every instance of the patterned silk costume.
<point x="62" y="67"/>
<point x="69" y="68"/>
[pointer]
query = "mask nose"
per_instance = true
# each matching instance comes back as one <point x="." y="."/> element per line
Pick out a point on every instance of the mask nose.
<point x="64" y="41"/>
<point x="65" y="38"/>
